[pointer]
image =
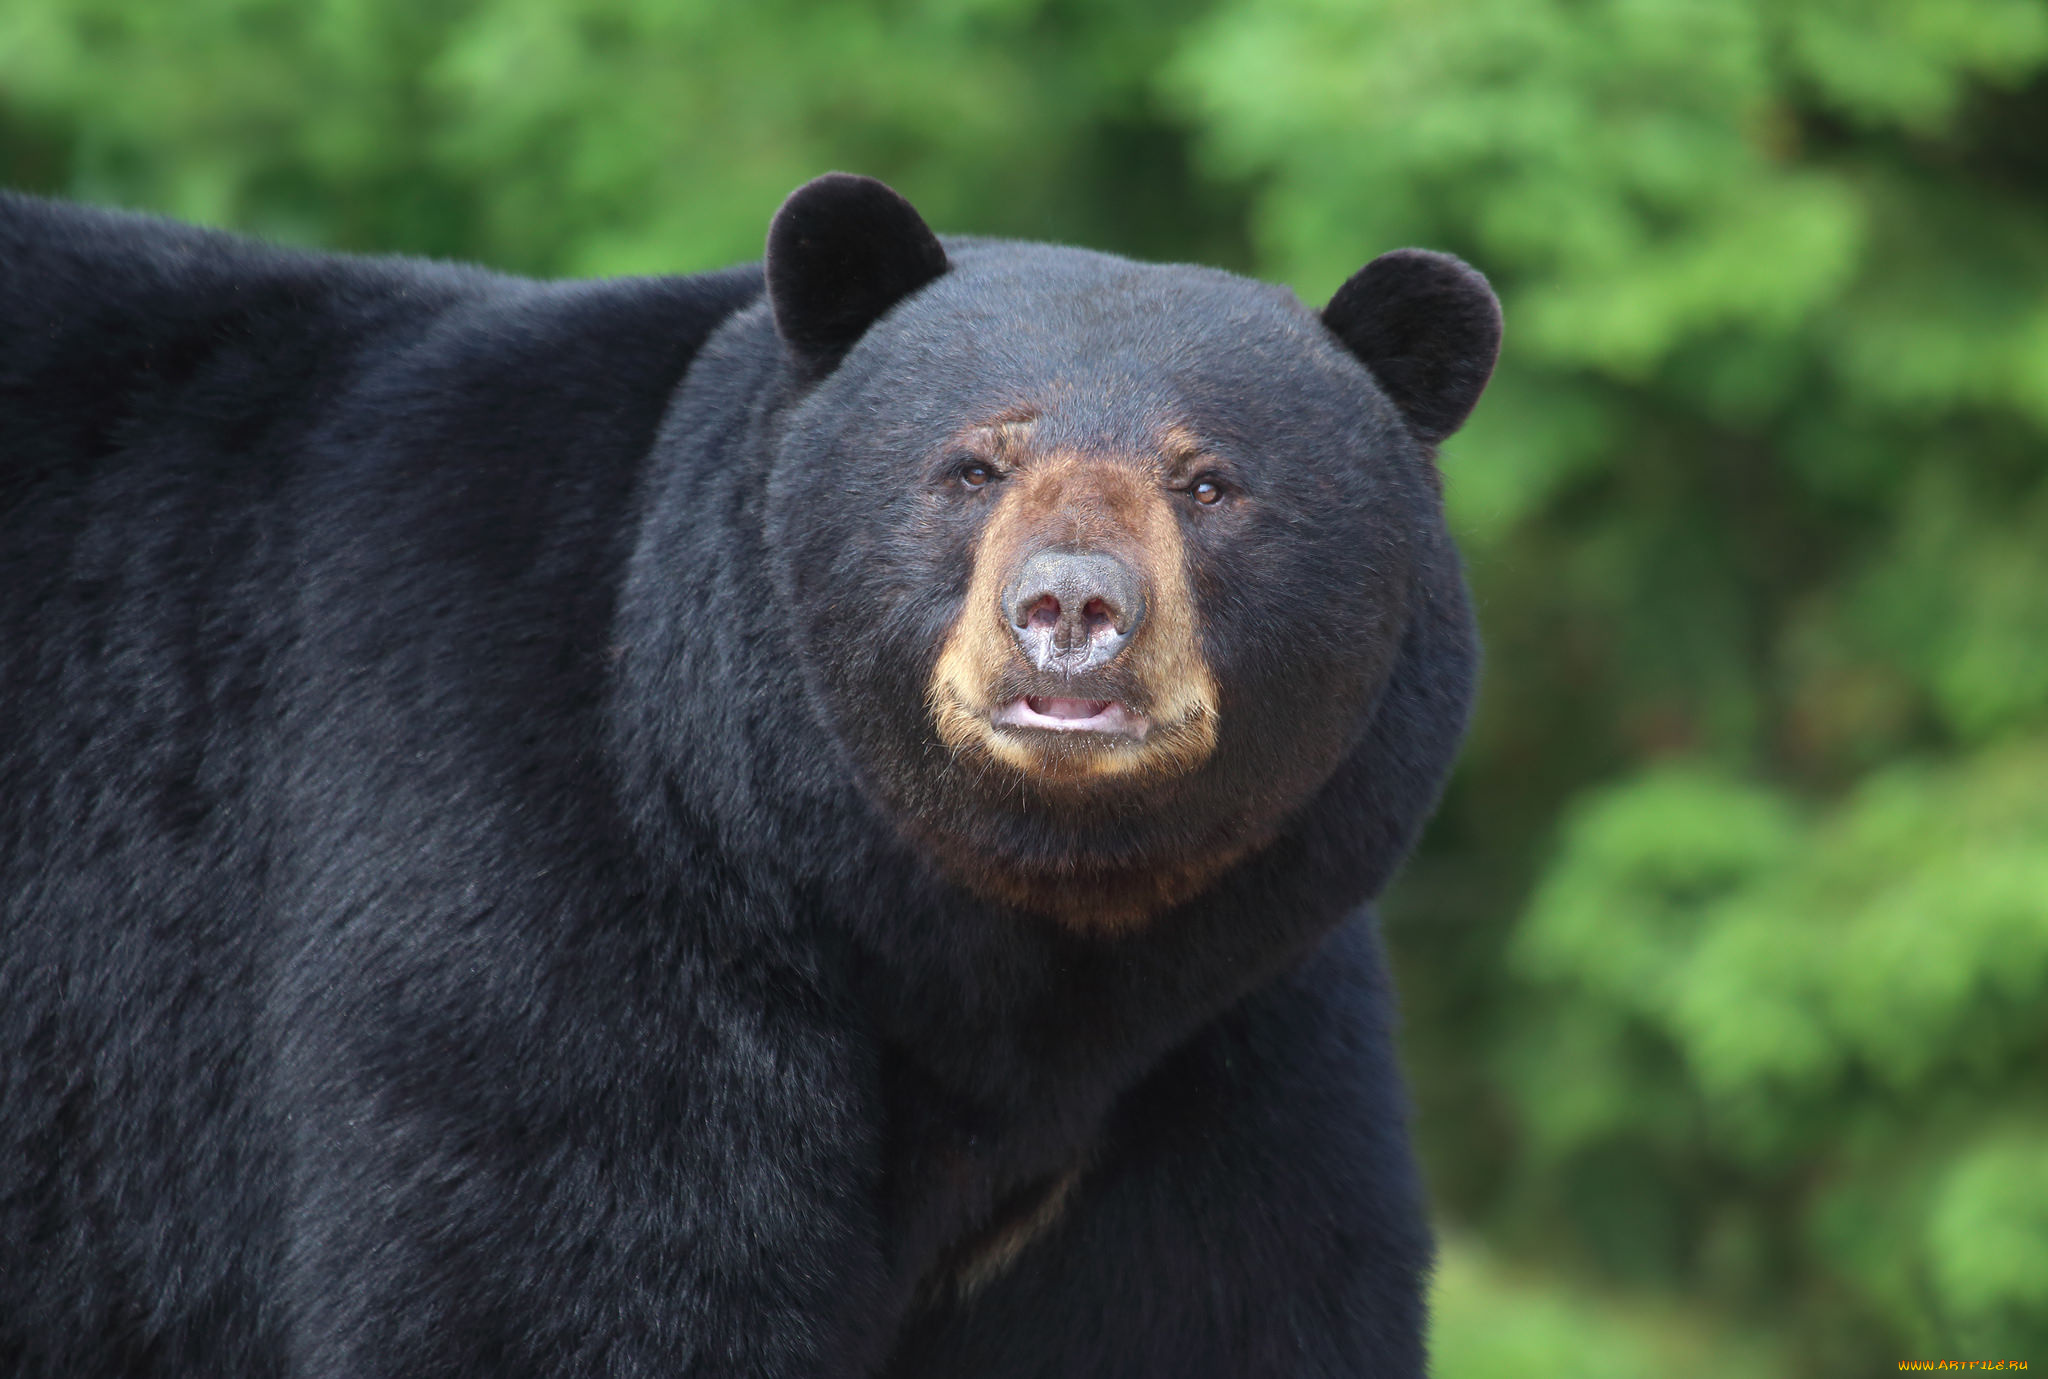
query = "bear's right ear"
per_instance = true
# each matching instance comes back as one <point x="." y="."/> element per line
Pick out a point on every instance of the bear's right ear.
<point x="841" y="251"/>
<point x="1428" y="326"/>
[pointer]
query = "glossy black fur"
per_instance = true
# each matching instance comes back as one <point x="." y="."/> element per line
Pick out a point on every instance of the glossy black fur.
<point x="1429" y="326"/>
<point x="452" y="924"/>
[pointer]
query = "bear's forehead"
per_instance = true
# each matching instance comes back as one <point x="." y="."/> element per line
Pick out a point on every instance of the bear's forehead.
<point x="1088" y="344"/>
<point x="1077" y="299"/>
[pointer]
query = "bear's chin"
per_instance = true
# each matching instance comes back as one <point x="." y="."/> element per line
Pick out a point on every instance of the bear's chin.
<point x="1086" y="895"/>
<point x="1099" y="831"/>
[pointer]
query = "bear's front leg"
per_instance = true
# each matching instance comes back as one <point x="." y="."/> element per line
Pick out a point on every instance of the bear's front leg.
<point x="1253" y="1213"/>
<point x="666" y="1174"/>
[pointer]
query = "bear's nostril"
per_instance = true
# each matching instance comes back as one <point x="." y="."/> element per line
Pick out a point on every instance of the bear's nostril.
<point x="1074" y="609"/>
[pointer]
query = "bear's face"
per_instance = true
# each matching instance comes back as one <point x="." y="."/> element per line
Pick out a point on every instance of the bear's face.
<point x="1095" y="567"/>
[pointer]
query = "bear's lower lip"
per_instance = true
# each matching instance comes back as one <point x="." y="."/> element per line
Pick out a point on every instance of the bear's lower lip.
<point x="1071" y="716"/>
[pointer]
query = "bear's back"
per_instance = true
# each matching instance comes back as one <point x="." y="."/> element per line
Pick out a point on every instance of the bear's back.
<point x="199" y="432"/>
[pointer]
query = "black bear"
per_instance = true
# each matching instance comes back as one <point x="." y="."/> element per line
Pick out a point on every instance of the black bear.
<point x="812" y="820"/>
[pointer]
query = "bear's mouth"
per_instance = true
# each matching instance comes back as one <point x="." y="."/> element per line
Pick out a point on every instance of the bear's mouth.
<point x="1062" y="715"/>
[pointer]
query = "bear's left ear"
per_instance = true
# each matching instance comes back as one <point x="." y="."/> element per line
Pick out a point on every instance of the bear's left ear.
<point x="1428" y="326"/>
<point x="841" y="251"/>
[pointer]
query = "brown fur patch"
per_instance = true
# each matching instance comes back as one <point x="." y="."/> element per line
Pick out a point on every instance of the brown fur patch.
<point x="1090" y="503"/>
<point x="1122" y="504"/>
<point x="989" y="1254"/>
<point x="1180" y="448"/>
<point x="1100" y="901"/>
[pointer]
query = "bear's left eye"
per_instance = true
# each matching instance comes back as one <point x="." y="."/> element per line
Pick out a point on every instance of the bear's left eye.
<point x="1207" y="490"/>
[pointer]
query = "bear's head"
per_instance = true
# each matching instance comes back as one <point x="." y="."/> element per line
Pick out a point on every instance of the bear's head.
<point x="1098" y="568"/>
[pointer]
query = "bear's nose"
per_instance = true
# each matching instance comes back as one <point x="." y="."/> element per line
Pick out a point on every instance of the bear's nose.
<point x="1074" y="610"/>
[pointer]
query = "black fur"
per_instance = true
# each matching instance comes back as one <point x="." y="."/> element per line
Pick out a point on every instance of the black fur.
<point x="462" y="755"/>
<point x="841" y="251"/>
<point x="1428" y="327"/>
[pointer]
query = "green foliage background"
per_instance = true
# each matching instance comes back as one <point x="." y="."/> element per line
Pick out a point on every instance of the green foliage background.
<point x="1727" y="962"/>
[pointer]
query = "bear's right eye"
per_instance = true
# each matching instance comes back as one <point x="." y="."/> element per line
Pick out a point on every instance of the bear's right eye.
<point x="974" y="473"/>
